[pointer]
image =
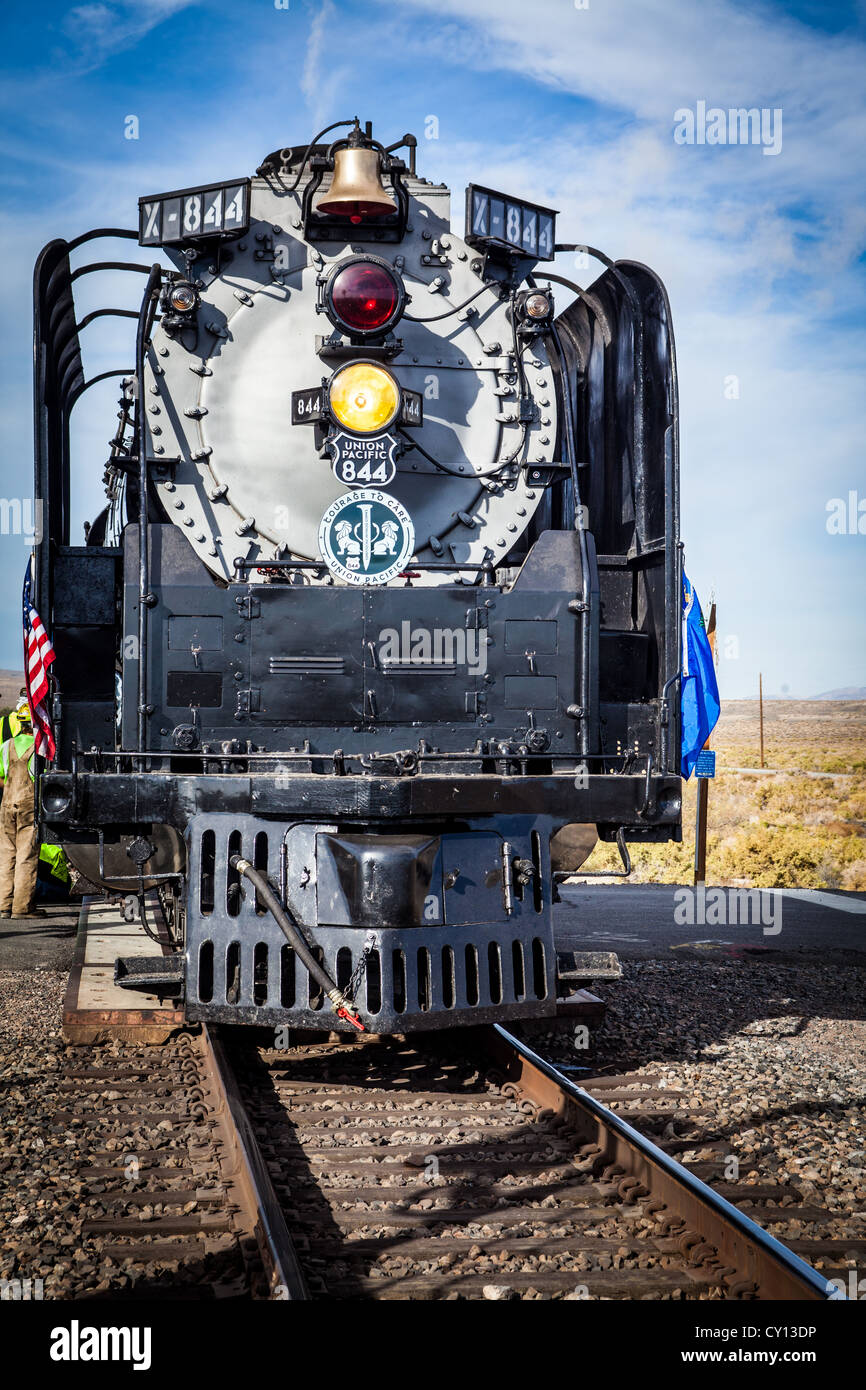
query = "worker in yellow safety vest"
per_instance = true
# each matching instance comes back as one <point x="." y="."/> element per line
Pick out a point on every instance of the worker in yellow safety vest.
<point x="11" y="723"/>
<point x="19" y="843"/>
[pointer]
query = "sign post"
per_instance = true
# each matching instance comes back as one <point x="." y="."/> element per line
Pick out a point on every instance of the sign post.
<point x="705" y="768"/>
<point x="761" y="712"/>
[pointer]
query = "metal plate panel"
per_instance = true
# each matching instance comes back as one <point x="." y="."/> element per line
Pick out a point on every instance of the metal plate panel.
<point x="307" y="656"/>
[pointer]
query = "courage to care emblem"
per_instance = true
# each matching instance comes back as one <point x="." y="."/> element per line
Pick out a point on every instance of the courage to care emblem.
<point x="366" y="537"/>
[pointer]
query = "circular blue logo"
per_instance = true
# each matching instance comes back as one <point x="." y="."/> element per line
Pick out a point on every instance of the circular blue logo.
<point x="366" y="537"/>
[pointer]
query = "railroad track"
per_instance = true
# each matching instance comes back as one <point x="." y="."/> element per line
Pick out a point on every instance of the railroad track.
<point x="153" y="1191"/>
<point x="470" y="1167"/>
<point x="447" y="1167"/>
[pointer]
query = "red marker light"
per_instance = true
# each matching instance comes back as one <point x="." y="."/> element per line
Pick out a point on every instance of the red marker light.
<point x="363" y="296"/>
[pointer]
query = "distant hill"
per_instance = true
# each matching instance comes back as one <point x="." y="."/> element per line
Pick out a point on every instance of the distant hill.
<point x="846" y="692"/>
<point x="10" y="684"/>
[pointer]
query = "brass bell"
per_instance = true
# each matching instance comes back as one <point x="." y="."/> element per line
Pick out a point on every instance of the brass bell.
<point x="356" y="189"/>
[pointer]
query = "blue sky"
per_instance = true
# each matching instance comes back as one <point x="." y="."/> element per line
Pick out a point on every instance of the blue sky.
<point x="763" y="255"/>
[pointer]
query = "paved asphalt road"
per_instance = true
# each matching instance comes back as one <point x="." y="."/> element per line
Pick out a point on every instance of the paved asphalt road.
<point x="635" y="920"/>
<point x="655" y="919"/>
<point x="46" y="943"/>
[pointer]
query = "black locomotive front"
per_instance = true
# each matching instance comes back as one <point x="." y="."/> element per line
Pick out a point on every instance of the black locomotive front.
<point x="350" y="772"/>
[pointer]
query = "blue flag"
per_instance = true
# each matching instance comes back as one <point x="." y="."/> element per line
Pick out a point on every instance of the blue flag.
<point x="699" y="697"/>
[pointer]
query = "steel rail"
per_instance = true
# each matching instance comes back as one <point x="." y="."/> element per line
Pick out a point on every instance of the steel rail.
<point x="248" y="1169"/>
<point x="777" y="1272"/>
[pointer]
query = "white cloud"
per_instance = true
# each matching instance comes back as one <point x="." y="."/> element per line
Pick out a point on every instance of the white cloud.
<point x="316" y="82"/>
<point x="96" y="30"/>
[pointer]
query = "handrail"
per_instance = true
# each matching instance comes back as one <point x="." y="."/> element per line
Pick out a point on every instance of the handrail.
<point x="145" y="323"/>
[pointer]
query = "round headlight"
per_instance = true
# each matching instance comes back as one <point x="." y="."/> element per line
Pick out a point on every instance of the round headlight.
<point x="364" y="398"/>
<point x="364" y="296"/>
<point x="537" y="306"/>
<point x="182" y="297"/>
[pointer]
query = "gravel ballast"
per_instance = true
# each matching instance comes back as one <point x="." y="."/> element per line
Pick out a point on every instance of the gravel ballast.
<point x="773" y="1052"/>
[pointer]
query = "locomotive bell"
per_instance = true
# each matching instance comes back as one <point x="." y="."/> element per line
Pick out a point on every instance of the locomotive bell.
<point x="356" y="189"/>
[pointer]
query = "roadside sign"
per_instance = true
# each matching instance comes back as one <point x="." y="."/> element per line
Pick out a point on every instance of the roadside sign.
<point x="706" y="763"/>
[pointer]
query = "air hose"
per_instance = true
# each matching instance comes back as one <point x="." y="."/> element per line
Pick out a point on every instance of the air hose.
<point x="342" y="1006"/>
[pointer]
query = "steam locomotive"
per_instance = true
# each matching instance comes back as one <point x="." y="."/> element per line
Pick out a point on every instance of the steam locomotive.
<point x="382" y="611"/>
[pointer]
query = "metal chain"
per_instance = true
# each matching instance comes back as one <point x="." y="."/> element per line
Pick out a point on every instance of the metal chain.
<point x="361" y="968"/>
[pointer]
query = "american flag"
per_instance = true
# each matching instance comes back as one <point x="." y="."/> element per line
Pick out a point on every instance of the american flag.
<point x="38" y="656"/>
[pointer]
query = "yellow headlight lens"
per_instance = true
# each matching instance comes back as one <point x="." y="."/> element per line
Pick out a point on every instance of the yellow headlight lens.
<point x="364" y="398"/>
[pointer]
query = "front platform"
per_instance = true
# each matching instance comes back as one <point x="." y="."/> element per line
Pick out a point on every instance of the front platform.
<point x="95" y="1009"/>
